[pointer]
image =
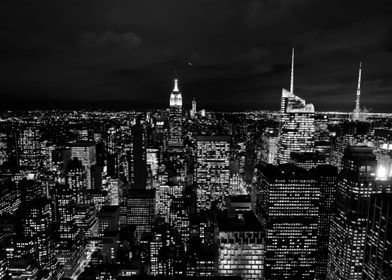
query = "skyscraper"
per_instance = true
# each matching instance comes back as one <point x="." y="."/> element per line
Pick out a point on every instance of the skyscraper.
<point x="68" y="249"/>
<point x="296" y="130"/>
<point x="175" y="118"/>
<point x="269" y="143"/>
<point x="76" y="179"/>
<point x="287" y="200"/>
<point x="356" y="183"/>
<point x="212" y="172"/>
<point x="4" y="155"/>
<point x="86" y="153"/>
<point x="139" y="210"/>
<point x="378" y="250"/>
<point x="193" y="110"/>
<point x="29" y="149"/>
<point x="37" y="219"/>
<point x="139" y="156"/>
<point x="326" y="178"/>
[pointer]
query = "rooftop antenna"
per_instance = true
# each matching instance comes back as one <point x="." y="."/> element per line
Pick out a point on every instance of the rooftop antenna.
<point x="292" y="73"/>
<point x="175" y="81"/>
<point x="357" y="108"/>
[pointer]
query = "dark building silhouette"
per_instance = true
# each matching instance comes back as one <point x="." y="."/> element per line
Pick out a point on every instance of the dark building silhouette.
<point x="139" y="156"/>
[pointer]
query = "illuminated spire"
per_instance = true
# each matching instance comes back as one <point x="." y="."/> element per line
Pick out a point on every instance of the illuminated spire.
<point x="357" y="107"/>
<point x="175" y="96"/>
<point x="175" y="85"/>
<point x="292" y="73"/>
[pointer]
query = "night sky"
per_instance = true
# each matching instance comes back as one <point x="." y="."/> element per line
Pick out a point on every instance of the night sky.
<point x="228" y="54"/>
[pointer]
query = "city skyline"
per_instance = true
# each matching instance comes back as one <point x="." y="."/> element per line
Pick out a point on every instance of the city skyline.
<point x="195" y="139"/>
<point x="124" y="55"/>
<point x="194" y="193"/>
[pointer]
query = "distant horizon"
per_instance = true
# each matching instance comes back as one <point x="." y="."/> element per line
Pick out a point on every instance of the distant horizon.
<point x="127" y="106"/>
<point x="229" y="55"/>
<point x="118" y="105"/>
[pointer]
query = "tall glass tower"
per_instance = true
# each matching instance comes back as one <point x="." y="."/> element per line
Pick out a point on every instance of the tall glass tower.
<point x="296" y="131"/>
<point x="356" y="183"/>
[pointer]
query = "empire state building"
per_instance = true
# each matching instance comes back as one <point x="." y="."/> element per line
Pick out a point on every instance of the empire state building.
<point x="175" y="119"/>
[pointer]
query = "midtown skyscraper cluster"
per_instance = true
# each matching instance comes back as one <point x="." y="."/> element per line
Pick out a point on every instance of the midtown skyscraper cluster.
<point x="182" y="192"/>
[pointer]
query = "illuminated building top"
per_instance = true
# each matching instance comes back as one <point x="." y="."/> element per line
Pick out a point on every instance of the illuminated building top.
<point x="295" y="104"/>
<point x="176" y="96"/>
<point x="296" y="132"/>
<point x="292" y="103"/>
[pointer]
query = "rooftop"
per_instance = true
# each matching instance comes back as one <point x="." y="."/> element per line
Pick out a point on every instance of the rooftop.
<point x="234" y="221"/>
<point x="207" y="138"/>
<point x="284" y="171"/>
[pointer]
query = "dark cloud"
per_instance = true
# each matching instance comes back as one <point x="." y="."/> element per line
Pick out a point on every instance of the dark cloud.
<point x="228" y="53"/>
<point x="126" y="40"/>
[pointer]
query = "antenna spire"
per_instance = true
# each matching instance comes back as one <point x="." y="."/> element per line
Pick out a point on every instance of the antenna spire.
<point x="292" y="73"/>
<point x="358" y="88"/>
<point x="175" y="85"/>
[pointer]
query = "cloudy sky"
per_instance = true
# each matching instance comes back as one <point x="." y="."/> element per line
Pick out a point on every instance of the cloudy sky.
<point x="228" y="54"/>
